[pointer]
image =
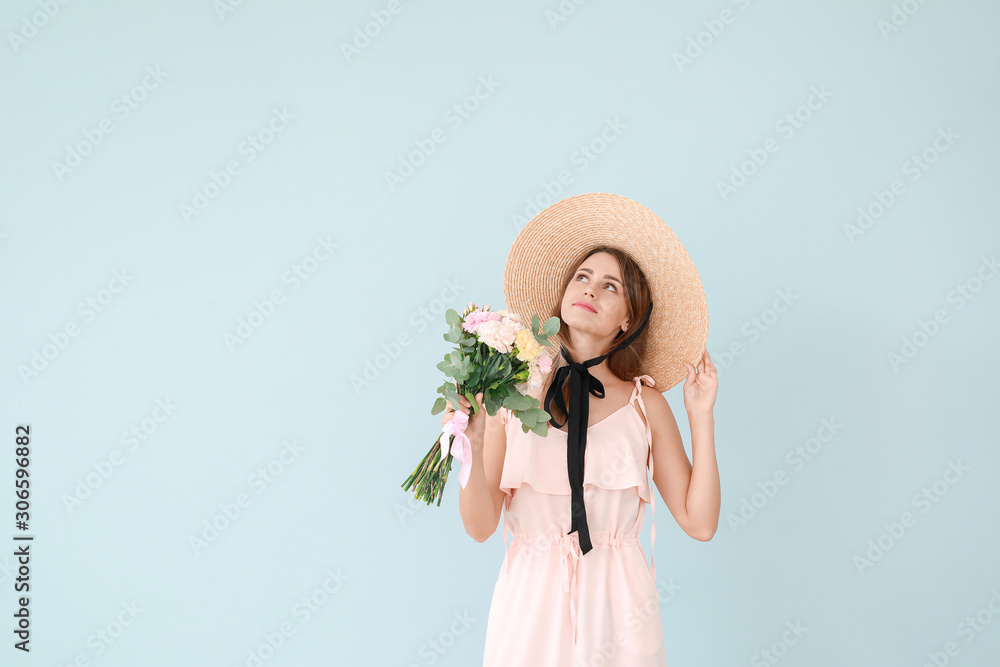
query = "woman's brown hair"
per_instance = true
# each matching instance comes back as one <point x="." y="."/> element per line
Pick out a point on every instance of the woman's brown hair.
<point x="624" y="364"/>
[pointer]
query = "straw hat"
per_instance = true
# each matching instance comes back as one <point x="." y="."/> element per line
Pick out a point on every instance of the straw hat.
<point x="563" y="232"/>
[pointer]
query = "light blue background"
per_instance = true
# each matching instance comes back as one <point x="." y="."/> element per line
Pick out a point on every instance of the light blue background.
<point x="407" y="571"/>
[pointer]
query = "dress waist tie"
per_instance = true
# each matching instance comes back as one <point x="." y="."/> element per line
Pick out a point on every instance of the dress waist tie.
<point x="571" y="555"/>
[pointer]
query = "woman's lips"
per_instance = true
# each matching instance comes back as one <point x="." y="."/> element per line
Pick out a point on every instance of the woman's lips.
<point x="580" y="304"/>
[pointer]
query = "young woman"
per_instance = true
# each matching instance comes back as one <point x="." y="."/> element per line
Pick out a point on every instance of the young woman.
<point x="574" y="588"/>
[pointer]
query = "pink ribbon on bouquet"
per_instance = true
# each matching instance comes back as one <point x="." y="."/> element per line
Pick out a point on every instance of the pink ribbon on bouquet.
<point x="461" y="448"/>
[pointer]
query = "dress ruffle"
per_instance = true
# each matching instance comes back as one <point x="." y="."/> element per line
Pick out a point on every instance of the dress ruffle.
<point x="615" y="457"/>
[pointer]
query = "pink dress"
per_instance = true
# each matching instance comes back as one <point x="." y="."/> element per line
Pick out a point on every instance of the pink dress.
<point x="553" y="606"/>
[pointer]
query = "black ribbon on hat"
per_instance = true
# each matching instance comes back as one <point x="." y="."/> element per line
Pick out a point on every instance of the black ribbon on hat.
<point x="581" y="383"/>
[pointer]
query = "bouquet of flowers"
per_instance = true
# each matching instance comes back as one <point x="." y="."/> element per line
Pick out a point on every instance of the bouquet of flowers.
<point x="498" y="356"/>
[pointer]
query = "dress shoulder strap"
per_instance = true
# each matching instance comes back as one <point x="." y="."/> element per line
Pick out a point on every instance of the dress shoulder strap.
<point x="638" y="389"/>
<point x="637" y="396"/>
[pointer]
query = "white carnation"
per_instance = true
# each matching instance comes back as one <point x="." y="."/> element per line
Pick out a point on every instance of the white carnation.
<point x="510" y="315"/>
<point x="500" y="335"/>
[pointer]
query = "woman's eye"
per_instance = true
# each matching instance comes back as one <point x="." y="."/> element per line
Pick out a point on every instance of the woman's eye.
<point x="584" y="275"/>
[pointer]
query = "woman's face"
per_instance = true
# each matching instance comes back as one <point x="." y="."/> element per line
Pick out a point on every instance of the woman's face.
<point x="598" y="284"/>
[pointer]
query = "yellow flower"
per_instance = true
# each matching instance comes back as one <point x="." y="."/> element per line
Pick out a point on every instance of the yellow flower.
<point x="527" y="347"/>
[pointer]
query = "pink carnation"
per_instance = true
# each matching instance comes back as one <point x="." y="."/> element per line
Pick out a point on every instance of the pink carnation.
<point x="544" y="362"/>
<point x="474" y="319"/>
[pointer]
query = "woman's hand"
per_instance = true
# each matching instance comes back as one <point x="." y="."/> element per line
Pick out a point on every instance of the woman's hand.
<point x="701" y="386"/>
<point x="476" y="428"/>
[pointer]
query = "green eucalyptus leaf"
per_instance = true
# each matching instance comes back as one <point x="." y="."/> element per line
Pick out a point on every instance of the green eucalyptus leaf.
<point x="541" y="429"/>
<point x="519" y="402"/>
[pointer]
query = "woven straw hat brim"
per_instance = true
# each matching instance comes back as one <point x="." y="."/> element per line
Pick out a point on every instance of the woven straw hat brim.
<point x="563" y="232"/>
